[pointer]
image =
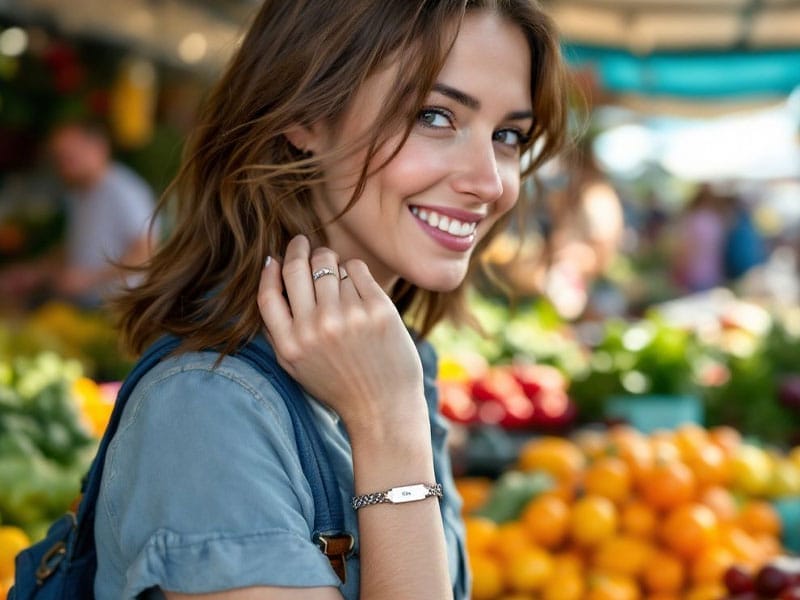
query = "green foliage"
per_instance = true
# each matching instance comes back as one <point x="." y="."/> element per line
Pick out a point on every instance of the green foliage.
<point x="44" y="446"/>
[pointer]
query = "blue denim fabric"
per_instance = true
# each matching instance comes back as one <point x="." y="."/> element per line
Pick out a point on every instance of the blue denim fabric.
<point x="203" y="490"/>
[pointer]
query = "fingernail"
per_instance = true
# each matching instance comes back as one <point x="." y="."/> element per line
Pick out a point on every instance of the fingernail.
<point x="267" y="262"/>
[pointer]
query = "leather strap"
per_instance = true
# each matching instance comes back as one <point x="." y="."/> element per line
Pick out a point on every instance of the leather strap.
<point x="337" y="547"/>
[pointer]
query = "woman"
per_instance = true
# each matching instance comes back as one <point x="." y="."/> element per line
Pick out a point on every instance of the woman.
<point x="367" y="150"/>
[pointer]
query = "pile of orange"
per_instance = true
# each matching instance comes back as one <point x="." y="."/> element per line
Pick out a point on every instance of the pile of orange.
<point x="656" y="517"/>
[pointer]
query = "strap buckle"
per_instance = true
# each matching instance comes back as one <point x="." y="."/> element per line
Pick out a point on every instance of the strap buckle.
<point x="50" y="561"/>
<point x="337" y="547"/>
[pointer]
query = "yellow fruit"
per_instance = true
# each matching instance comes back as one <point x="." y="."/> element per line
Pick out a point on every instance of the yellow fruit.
<point x="710" y="565"/>
<point x="546" y="519"/>
<point x="511" y="539"/>
<point x="568" y="585"/>
<point x="593" y="520"/>
<point x="604" y="586"/>
<point x="664" y="573"/>
<point x="529" y="570"/>
<point x="481" y="533"/>
<point x="638" y="519"/>
<point x="12" y="541"/>
<point x="557" y="456"/>
<point x="708" y="591"/>
<point x="689" y="529"/>
<point x="610" y="477"/>
<point x="785" y="479"/>
<point x="487" y="577"/>
<point x="751" y="470"/>
<point x="622" y="555"/>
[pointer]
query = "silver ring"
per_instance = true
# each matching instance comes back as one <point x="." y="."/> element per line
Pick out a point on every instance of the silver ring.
<point x="322" y="272"/>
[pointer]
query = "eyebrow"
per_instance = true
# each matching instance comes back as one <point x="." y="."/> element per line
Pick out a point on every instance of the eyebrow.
<point x="473" y="103"/>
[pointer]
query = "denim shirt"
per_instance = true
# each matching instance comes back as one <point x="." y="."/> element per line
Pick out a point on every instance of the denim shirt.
<point x="203" y="491"/>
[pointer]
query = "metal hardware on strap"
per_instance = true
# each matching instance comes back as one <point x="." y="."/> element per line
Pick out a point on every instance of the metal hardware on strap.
<point x="50" y="561"/>
<point x="337" y="548"/>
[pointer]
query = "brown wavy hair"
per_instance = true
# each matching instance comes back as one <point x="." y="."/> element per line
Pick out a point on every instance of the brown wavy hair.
<point x="244" y="191"/>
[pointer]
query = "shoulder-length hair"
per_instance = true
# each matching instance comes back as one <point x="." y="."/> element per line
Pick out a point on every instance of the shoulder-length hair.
<point x="244" y="191"/>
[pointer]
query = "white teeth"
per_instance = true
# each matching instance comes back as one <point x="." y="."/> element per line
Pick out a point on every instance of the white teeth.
<point x="444" y="223"/>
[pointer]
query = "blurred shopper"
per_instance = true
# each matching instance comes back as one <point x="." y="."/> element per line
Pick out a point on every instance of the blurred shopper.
<point x="700" y="244"/>
<point x="348" y="169"/>
<point x="109" y="210"/>
<point x="745" y="247"/>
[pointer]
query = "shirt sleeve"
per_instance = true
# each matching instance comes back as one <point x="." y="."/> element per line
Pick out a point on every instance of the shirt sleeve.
<point x="134" y="206"/>
<point x="205" y="488"/>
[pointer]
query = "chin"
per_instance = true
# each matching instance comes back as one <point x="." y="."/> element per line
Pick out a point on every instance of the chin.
<point x="439" y="280"/>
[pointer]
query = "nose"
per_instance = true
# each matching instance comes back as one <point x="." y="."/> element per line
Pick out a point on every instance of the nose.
<point x="479" y="174"/>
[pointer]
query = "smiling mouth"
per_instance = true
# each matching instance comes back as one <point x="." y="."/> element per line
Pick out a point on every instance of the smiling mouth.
<point x="444" y="223"/>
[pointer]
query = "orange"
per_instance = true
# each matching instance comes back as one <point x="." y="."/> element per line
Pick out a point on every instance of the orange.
<point x="690" y="439"/>
<point x="664" y="446"/>
<point x="510" y="539"/>
<point x="744" y="546"/>
<point x="726" y="437"/>
<point x="709" y="465"/>
<point x="481" y="533"/>
<point x="12" y="541"/>
<point x="610" y="477"/>
<point x="591" y="442"/>
<point x="689" y="529"/>
<point x="770" y="545"/>
<point x="593" y="520"/>
<point x="760" y="516"/>
<point x="663" y="596"/>
<point x="631" y="446"/>
<point x="568" y="585"/>
<point x="529" y="570"/>
<point x="639" y="519"/>
<point x="622" y="555"/>
<point x="667" y="484"/>
<point x="706" y="591"/>
<point x="720" y="500"/>
<point x="557" y="456"/>
<point x="604" y="586"/>
<point x="709" y="566"/>
<point x="474" y="492"/>
<point x="487" y="577"/>
<point x="546" y="519"/>
<point x="664" y="573"/>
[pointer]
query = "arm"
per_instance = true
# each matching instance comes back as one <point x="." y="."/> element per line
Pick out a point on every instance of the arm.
<point x="76" y="280"/>
<point x="345" y="342"/>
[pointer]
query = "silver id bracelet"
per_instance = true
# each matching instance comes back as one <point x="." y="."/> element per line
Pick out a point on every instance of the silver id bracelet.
<point x="399" y="495"/>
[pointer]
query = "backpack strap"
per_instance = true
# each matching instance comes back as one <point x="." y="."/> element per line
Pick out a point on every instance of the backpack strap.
<point x="90" y="489"/>
<point x="329" y="532"/>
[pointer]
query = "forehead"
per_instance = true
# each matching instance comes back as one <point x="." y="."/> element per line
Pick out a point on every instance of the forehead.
<point x="491" y="56"/>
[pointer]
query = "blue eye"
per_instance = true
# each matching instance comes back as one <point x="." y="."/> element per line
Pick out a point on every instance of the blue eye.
<point x="435" y="118"/>
<point x="510" y="137"/>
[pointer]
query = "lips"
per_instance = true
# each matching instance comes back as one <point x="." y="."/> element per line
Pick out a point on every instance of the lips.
<point x="452" y="229"/>
<point x="455" y="223"/>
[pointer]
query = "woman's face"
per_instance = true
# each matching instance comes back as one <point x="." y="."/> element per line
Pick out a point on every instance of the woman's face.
<point x="421" y="215"/>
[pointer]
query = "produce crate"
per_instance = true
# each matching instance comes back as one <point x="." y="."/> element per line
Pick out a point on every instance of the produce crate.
<point x="648" y="413"/>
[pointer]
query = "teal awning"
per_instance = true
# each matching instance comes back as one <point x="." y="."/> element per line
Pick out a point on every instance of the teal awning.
<point x="698" y="75"/>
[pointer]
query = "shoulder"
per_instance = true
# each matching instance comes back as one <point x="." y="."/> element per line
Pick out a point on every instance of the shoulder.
<point x="124" y="180"/>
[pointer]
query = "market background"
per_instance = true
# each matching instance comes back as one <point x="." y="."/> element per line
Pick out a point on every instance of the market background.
<point x="614" y="433"/>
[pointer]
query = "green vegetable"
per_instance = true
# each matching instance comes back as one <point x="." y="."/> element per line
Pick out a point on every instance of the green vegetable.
<point x="512" y="492"/>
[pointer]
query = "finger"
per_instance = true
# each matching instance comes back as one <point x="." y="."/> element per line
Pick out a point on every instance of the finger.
<point x="348" y="294"/>
<point x="362" y="280"/>
<point x="272" y="305"/>
<point x="297" y="277"/>
<point x="323" y="261"/>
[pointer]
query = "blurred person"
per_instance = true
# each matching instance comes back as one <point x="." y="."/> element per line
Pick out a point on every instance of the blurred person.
<point x="745" y="247"/>
<point x="109" y="211"/>
<point x="347" y="171"/>
<point x="699" y="262"/>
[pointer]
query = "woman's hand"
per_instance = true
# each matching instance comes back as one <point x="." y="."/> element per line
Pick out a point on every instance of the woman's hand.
<point x="342" y="339"/>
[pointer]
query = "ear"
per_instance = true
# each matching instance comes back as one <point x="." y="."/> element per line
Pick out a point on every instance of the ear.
<point x="305" y="138"/>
